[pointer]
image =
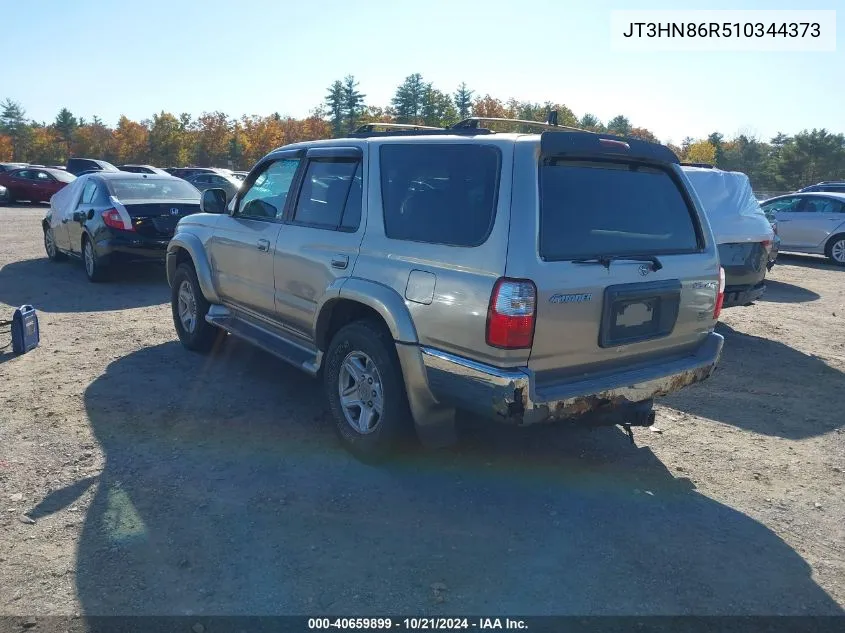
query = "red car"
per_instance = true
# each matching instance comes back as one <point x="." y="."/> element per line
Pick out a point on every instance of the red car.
<point x="34" y="184"/>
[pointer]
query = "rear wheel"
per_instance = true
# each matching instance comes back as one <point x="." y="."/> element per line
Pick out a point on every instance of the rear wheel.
<point x="95" y="268"/>
<point x="9" y="198"/>
<point x="835" y="249"/>
<point x="53" y="253"/>
<point x="189" y="308"/>
<point x="366" y="391"/>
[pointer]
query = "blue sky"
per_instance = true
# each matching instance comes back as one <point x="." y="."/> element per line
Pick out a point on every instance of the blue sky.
<point x="110" y="58"/>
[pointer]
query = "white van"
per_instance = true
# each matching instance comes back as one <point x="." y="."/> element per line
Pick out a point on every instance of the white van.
<point x="744" y="235"/>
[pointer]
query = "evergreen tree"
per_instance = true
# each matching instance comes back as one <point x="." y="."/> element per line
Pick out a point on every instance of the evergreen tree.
<point x="335" y="102"/>
<point x="463" y="101"/>
<point x="409" y="98"/>
<point x="353" y="101"/>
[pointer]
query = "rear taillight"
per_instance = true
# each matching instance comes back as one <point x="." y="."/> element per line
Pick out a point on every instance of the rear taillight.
<point x="720" y="298"/>
<point x="510" y="319"/>
<point x="767" y="244"/>
<point x="112" y="219"/>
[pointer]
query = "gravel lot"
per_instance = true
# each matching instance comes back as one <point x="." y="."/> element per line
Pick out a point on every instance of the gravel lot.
<point x="138" y="478"/>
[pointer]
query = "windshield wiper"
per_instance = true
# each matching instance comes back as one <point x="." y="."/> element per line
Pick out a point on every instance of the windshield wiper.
<point x="605" y="260"/>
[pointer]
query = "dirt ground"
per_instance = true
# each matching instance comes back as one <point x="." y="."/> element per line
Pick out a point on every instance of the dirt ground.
<point x="139" y="478"/>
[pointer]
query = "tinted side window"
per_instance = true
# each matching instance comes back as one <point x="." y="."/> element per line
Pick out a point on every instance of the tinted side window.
<point x="265" y="197"/>
<point x="588" y="209"/>
<point x="88" y="193"/>
<point x="322" y="197"/>
<point x="439" y="193"/>
<point x="784" y="204"/>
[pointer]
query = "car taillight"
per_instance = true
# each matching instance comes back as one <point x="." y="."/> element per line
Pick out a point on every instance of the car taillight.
<point x="112" y="219"/>
<point x="767" y="244"/>
<point x="510" y="318"/>
<point x="720" y="298"/>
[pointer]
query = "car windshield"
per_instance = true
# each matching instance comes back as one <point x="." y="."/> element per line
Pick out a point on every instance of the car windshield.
<point x="589" y="209"/>
<point x="62" y="176"/>
<point x="153" y="189"/>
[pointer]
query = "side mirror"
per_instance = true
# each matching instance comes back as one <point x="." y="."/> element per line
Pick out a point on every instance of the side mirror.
<point x="213" y="201"/>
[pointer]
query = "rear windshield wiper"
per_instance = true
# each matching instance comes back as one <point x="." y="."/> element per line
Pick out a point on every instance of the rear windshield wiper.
<point x="605" y="260"/>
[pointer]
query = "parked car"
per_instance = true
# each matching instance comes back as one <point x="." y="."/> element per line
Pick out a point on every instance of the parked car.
<point x="187" y="172"/>
<point x="462" y="285"/>
<point x="744" y="236"/>
<point x="229" y="184"/>
<point x="77" y="166"/>
<point x="812" y="222"/>
<point x="831" y="186"/>
<point x="110" y="218"/>
<point x="33" y="183"/>
<point x="143" y="169"/>
<point x="4" y="167"/>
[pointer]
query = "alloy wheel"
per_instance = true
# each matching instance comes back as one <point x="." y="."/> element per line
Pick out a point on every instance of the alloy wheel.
<point x="360" y="390"/>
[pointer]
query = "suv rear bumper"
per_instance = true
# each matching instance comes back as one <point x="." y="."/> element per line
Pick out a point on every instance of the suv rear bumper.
<point x="512" y="395"/>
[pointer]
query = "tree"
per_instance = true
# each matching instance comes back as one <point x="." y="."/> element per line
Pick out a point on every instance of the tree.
<point x="590" y="122"/>
<point x="716" y="140"/>
<point x="93" y="140"/>
<point x="65" y="125"/>
<point x="619" y="125"/>
<point x="463" y="101"/>
<point x="437" y="108"/>
<point x="7" y="148"/>
<point x="212" y="136"/>
<point x="131" y="141"/>
<point x="642" y="134"/>
<point x="167" y="140"/>
<point x="47" y="147"/>
<point x="335" y="104"/>
<point x="13" y="124"/>
<point x="700" y="152"/>
<point x="408" y="100"/>
<point x="353" y="101"/>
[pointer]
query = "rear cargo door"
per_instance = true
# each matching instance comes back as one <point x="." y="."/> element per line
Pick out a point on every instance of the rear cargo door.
<point x="600" y="302"/>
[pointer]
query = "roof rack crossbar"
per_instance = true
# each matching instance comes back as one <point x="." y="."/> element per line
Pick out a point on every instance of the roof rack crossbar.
<point x="370" y="127"/>
<point x="473" y="123"/>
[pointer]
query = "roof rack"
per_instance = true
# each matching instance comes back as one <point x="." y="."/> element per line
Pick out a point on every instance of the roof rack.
<point x="472" y="123"/>
<point x="703" y="165"/>
<point x="370" y="127"/>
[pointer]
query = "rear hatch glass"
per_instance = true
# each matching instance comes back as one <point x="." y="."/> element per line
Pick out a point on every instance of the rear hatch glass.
<point x="596" y="208"/>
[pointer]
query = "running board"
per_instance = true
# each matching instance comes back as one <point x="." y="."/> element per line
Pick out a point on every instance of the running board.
<point x="272" y="342"/>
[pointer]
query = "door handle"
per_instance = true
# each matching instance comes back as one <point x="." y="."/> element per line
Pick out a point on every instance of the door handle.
<point x="264" y="245"/>
<point x="340" y="261"/>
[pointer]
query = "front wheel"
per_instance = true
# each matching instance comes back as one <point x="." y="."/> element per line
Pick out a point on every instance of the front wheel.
<point x="835" y="250"/>
<point x="189" y="308"/>
<point x="366" y="391"/>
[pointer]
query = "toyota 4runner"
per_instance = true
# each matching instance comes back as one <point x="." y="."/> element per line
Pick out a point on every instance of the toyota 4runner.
<point x="561" y="275"/>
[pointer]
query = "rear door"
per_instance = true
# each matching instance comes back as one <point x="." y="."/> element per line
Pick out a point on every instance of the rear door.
<point x="804" y="224"/>
<point x="22" y="184"/>
<point x="594" y="315"/>
<point x="828" y="219"/>
<point x="321" y="238"/>
<point x="784" y="210"/>
<point x="85" y="208"/>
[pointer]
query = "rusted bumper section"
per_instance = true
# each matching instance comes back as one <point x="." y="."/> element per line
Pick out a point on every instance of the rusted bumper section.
<point x="513" y="394"/>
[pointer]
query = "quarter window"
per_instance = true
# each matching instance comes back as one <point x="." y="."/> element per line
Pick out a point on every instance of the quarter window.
<point x="439" y="193"/>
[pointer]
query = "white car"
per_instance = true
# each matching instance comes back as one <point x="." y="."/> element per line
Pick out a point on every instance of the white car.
<point x="812" y="222"/>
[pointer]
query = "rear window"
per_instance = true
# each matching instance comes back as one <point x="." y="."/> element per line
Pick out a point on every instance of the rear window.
<point x="62" y="176"/>
<point x="588" y="209"/>
<point x="152" y="189"/>
<point x="439" y="193"/>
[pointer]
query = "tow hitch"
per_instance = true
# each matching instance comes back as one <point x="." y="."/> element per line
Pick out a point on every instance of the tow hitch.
<point x="640" y="414"/>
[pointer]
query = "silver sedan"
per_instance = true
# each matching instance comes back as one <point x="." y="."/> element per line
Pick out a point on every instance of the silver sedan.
<point x="812" y="222"/>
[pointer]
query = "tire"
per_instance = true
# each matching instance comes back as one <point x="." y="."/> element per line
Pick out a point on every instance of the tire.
<point x="367" y="349"/>
<point x="835" y="249"/>
<point x="9" y="199"/>
<point x="96" y="269"/>
<point x="53" y="253"/>
<point x="189" y="308"/>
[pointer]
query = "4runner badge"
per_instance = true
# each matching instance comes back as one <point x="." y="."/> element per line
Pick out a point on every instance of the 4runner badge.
<point x="575" y="298"/>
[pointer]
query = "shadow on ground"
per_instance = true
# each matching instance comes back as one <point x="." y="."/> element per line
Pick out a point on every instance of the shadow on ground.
<point x="224" y="491"/>
<point x="782" y="292"/>
<point x="63" y="286"/>
<point x="764" y="386"/>
<point x="806" y="261"/>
